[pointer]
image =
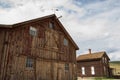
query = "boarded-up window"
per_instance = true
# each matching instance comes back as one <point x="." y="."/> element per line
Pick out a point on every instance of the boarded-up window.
<point x="66" y="67"/>
<point x="83" y="70"/>
<point x="33" y="31"/>
<point x="29" y="62"/>
<point x="65" y="42"/>
<point x="92" y="70"/>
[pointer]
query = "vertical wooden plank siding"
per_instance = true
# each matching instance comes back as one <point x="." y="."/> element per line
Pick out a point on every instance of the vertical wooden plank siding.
<point x="46" y="49"/>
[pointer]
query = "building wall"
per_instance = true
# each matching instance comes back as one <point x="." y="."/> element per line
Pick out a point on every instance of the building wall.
<point x="98" y="67"/>
<point x="2" y="35"/>
<point x="46" y="49"/>
<point x="88" y="66"/>
<point x="105" y="66"/>
<point x="2" y="38"/>
<point x="44" y="70"/>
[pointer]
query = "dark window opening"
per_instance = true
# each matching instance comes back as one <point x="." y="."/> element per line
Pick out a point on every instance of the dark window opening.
<point x="66" y="67"/>
<point x="51" y="25"/>
<point x="29" y="62"/>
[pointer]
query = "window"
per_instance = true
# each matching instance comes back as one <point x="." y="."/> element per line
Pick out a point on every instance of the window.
<point x="29" y="62"/>
<point x="65" y="42"/>
<point x="103" y="59"/>
<point x="33" y="31"/>
<point x="83" y="70"/>
<point x="92" y="70"/>
<point x="106" y="60"/>
<point x="66" y="67"/>
<point x="104" y="70"/>
<point x="51" y="25"/>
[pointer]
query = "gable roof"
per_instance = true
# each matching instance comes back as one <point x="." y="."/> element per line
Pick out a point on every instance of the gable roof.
<point x="92" y="56"/>
<point x="42" y="18"/>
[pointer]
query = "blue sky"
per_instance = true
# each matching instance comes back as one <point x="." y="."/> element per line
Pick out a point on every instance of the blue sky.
<point x="92" y="24"/>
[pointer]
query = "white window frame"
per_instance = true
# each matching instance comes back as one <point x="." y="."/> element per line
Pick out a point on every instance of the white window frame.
<point x="33" y="31"/>
<point x="92" y="70"/>
<point x="83" y="70"/>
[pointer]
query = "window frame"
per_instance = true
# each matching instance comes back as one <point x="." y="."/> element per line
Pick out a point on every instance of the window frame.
<point x="65" y="42"/>
<point x="32" y="31"/>
<point x="105" y="60"/>
<point x="83" y="70"/>
<point x="66" y="67"/>
<point x="29" y="62"/>
<point x="51" y="25"/>
<point x="92" y="70"/>
<point x="104" y="70"/>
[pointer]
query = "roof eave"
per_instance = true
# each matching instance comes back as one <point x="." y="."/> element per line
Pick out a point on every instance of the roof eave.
<point x="88" y="59"/>
<point x="5" y="26"/>
<point x="76" y="46"/>
<point x="41" y="18"/>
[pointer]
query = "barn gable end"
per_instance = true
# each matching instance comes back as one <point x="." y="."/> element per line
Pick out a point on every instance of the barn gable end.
<point x="38" y="49"/>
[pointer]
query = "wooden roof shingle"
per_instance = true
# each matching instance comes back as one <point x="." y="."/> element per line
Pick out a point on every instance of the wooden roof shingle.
<point x="91" y="56"/>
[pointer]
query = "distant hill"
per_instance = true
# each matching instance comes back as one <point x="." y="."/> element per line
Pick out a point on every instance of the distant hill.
<point x="115" y="62"/>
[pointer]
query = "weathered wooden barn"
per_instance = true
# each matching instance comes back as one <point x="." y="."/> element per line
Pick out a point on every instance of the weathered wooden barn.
<point x="93" y="65"/>
<point x="38" y="49"/>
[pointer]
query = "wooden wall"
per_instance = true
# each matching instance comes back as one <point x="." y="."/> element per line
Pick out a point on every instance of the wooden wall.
<point x="2" y="38"/>
<point x="46" y="49"/>
<point x="4" y="53"/>
<point x="98" y="66"/>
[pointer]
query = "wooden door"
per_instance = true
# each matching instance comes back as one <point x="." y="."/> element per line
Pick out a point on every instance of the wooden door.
<point x="59" y="71"/>
<point x="67" y="76"/>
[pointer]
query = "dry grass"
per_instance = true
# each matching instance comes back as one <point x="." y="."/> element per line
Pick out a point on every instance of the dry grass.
<point x="96" y="78"/>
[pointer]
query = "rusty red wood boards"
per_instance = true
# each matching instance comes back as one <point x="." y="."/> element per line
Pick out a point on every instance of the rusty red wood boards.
<point x="46" y="49"/>
<point x="98" y="60"/>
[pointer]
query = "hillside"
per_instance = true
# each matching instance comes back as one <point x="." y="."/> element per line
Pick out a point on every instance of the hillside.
<point x="115" y="62"/>
<point x="116" y="67"/>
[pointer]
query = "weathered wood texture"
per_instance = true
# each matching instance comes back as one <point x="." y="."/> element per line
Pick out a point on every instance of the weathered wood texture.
<point x="47" y="49"/>
<point x="101" y="68"/>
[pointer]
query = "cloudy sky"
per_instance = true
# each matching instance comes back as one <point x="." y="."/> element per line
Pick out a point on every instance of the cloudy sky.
<point x="92" y="24"/>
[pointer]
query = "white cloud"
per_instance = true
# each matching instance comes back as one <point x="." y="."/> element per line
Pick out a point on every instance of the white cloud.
<point x="115" y="56"/>
<point x="95" y="25"/>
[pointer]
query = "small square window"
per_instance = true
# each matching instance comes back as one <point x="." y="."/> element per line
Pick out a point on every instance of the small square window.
<point x="65" y="42"/>
<point x="51" y="25"/>
<point x="29" y="62"/>
<point x="33" y="31"/>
